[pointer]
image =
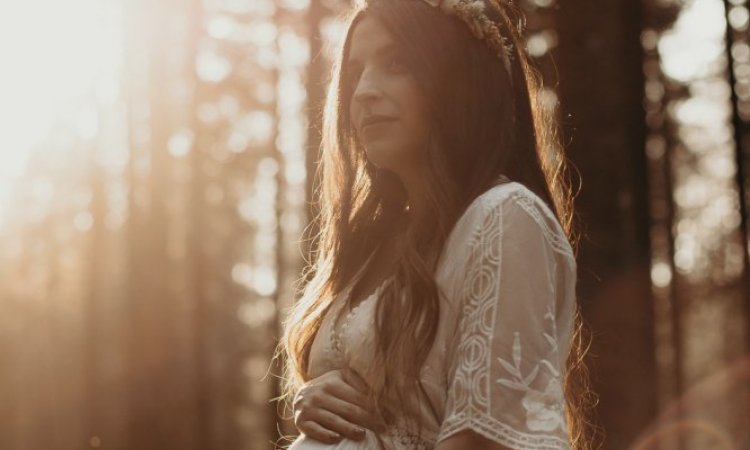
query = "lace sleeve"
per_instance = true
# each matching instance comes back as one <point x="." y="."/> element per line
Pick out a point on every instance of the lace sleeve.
<point x="516" y="308"/>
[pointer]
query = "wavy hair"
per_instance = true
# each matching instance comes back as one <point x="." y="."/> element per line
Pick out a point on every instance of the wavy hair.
<point x="482" y="127"/>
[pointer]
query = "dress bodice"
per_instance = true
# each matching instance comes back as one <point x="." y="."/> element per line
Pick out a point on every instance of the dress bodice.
<point x="344" y="338"/>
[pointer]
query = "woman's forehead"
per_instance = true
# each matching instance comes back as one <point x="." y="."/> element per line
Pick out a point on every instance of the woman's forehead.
<point x="369" y="38"/>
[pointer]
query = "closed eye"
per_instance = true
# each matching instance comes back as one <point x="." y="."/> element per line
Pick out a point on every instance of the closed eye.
<point x="390" y="62"/>
<point x="396" y="63"/>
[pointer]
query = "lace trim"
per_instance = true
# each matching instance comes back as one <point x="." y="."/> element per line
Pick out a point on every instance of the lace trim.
<point x="337" y="334"/>
<point x="406" y="440"/>
<point x="534" y="207"/>
<point x="332" y="346"/>
<point x="499" y="432"/>
<point x="555" y="235"/>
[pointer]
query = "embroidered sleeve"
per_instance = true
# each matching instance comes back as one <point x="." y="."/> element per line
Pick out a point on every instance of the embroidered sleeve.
<point x="506" y="372"/>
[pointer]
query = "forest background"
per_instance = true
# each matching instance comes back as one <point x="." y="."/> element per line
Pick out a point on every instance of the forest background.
<point x="155" y="178"/>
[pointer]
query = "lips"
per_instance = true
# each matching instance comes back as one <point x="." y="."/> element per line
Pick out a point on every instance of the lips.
<point x="374" y="120"/>
<point x="376" y="130"/>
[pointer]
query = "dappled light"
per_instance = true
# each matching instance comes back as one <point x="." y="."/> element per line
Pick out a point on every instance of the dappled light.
<point x="157" y="169"/>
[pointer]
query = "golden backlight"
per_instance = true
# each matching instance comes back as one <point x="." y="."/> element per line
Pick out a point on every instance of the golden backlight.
<point x="56" y="56"/>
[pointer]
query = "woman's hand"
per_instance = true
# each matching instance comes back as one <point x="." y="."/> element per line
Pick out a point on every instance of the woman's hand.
<point x="334" y="405"/>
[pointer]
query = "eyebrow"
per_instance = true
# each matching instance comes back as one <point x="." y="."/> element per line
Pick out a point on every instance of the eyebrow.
<point x="389" y="48"/>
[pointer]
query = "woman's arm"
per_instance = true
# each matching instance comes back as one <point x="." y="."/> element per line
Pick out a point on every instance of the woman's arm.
<point x="468" y="439"/>
<point x="516" y="300"/>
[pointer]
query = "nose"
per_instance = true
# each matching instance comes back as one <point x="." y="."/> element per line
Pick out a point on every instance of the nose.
<point x="367" y="88"/>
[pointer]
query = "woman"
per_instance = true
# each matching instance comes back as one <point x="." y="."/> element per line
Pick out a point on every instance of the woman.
<point x="442" y="310"/>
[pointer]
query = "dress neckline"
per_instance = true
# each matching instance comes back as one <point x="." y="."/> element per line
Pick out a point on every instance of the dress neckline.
<point x="341" y="317"/>
<point x="346" y="292"/>
<point x="360" y="274"/>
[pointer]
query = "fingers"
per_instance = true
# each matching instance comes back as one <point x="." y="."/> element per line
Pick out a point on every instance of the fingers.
<point x="354" y="390"/>
<point x="353" y="413"/>
<point x="330" y="423"/>
<point x="335" y="402"/>
<point x="347" y="392"/>
<point x="317" y="404"/>
<point x="317" y="432"/>
<point x="354" y="379"/>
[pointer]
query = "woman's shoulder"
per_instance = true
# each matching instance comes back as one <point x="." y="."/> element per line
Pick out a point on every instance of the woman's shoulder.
<point x="501" y="201"/>
<point x="505" y="205"/>
<point x="508" y="196"/>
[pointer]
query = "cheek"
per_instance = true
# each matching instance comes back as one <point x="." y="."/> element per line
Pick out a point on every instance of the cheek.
<point x="418" y="123"/>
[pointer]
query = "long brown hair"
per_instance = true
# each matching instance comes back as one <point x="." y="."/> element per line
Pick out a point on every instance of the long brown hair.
<point x="483" y="125"/>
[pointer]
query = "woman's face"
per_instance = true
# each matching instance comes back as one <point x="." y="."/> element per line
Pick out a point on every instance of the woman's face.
<point x="387" y="108"/>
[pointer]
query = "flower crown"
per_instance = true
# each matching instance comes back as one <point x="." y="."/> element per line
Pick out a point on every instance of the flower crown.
<point x="472" y="12"/>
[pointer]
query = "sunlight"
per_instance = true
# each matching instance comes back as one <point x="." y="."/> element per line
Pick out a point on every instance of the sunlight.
<point x="690" y="49"/>
<point x="54" y="55"/>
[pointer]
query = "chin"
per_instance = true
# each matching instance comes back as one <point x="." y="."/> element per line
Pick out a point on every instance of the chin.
<point x="381" y="158"/>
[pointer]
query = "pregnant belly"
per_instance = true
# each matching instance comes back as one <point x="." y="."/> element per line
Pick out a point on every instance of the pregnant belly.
<point x="370" y="442"/>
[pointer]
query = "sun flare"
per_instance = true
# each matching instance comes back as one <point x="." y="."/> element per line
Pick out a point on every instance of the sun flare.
<point x="56" y="56"/>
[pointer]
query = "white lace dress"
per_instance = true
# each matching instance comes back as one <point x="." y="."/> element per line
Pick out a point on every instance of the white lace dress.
<point x="507" y="279"/>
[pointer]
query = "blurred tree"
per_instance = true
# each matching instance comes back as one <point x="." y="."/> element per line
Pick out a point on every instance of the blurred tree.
<point x="150" y="257"/>
<point x="600" y="57"/>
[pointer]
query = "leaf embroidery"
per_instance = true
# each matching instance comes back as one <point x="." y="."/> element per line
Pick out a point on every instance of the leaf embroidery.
<point x="544" y="410"/>
<point x="513" y="384"/>
<point x="527" y="381"/>
<point x="509" y="367"/>
<point x="551" y="341"/>
<point x="550" y="367"/>
<point x="517" y="349"/>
